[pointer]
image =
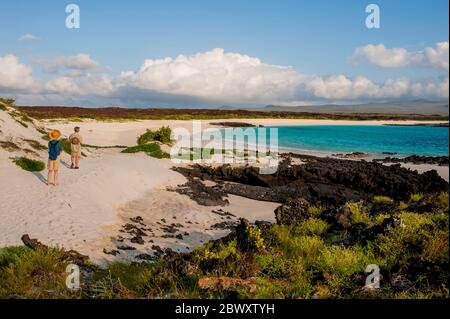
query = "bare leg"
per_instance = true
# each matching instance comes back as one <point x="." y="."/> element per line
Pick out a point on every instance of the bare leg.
<point x="56" y="178"/>
<point x="49" y="176"/>
<point x="72" y="158"/>
<point x="77" y="161"/>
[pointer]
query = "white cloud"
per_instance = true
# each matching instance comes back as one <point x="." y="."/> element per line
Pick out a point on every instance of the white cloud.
<point x="101" y="85"/>
<point x="214" y="75"/>
<point x="213" y="78"/>
<point x="79" y="62"/>
<point x="431" y="88"/>
<point x="62" y="85"/>
<point x="436" y="57"/>
<point x="28" y="37"/>
<point x="14" y="75"/>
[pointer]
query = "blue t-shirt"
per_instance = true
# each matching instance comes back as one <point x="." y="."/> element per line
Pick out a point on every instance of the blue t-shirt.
<point x="54" y="149"/>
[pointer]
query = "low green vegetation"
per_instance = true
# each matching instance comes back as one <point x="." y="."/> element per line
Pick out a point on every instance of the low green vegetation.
<point x="381" y="200"/>
<point x="66" y="145"/>
<point x="416" y="197"/>
<point x="128" y="114"/>
<point x="98" y="147"/>
<point x="162" y="135"/>
<point x="29" y="164"/>
<point x="5" y="103"/>
<point x="153" y="150"/>
<point x="34" y="274"/>
<point x="308" y="260"/>
<point x="20" y="117"/>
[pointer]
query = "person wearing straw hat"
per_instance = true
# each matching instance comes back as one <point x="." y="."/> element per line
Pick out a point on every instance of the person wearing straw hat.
<point x="75" y="148"/>
<point x="54" y="151"/>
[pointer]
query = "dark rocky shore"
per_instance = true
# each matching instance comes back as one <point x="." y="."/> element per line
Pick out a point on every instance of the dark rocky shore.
<point x="326" y="180"/>
<point x="416" y="159"/>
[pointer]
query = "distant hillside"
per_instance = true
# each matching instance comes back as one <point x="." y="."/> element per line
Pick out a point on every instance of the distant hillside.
<point x="423" y="107"/>
<point x="79" y="113"/>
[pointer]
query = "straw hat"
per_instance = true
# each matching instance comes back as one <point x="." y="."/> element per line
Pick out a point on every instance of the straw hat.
<point x="54" y="135"/>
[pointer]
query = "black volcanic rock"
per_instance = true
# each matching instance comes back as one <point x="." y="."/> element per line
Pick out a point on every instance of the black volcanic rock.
<point x="416" y="159"/>
<point x="293" y="212"/>
<point x="328" y="180"/>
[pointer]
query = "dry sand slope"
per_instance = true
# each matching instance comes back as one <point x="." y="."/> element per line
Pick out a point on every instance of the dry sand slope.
<point x="89" y="208"/>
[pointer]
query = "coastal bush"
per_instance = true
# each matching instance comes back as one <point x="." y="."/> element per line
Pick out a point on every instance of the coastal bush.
<point x="162" y="135"/>
<point x="33" y="274"/>
<point x="29" y="164"/>
<point x="416" y="197"/>
<point x="316" y="210"/>
<point x="313" y="259"/>
<point x="313" y="226"/>
<point x="358" y="213"/>
<point x="65" y="143"/>
<point x="153" y="150"/>
<point x="391" y="245"/>
<point x="4" y="103"/>
<point x="381" y="200"/>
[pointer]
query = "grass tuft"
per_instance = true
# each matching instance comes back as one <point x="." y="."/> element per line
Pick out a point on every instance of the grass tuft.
<point x="29" y="164"/>
<point x="153" y="150"/>
<point x="162" y="135"/>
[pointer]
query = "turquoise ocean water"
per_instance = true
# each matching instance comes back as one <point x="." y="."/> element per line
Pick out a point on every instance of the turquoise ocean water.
<point x="404" y="140"/>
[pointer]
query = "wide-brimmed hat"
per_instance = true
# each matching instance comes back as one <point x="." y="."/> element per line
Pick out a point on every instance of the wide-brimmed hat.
<point x="54" y="134"/>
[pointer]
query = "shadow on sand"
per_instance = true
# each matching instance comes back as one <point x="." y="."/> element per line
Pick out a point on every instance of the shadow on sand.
<point x="65" y="164"/>
<point x="40" y="177"/>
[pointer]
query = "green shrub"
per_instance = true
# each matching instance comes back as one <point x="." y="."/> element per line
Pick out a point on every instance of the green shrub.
<point x="4" y="103"/>
<point x="66" y="145"/>
<point x="381" y="200"/>
<point x="313" y="226"/>
<point x="162" y="135"/>
<point x="22" y="123"/>
<point x="29" y="164"/>
<point x="33" y="273"/>
<point x="359" y="215"/>
<point x="153" y="150"/>
<point x="416" y="197"/>
<point x="316" y="210"/>
<point x="9" y="255"/>
<point x="392" y="244"/>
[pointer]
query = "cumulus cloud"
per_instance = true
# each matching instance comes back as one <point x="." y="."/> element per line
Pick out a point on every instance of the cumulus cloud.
<point x="217" y="77"/>
<point x="432" y="57"/>
<point x="15" y="75"/>
<point x="214" y="75"/>
<point x="94" y="85"/>
<point x="28" y="37"/>
<point x="80" y="62"/>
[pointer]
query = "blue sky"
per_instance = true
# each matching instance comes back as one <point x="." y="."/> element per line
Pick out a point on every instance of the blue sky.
<point x="315" y="38"/>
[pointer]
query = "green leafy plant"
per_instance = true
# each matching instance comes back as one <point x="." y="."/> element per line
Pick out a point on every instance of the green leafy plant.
<point x="153" y="150"/>
<point x="29" y="164"/>
<point x="162" y="135"/>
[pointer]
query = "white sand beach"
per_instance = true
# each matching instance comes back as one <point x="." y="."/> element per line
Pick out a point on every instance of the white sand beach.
<point x="125" y="133"/>
<point x="86" y="211"/>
